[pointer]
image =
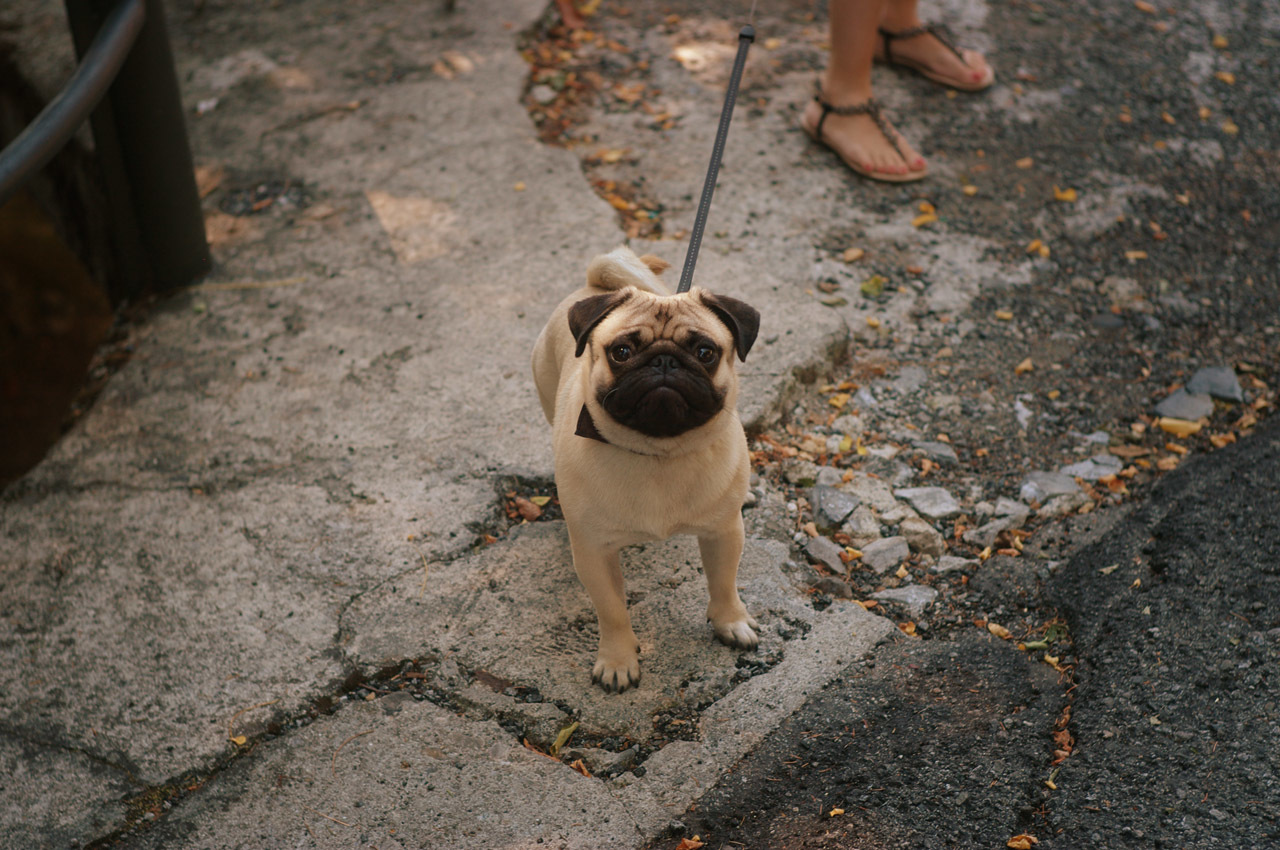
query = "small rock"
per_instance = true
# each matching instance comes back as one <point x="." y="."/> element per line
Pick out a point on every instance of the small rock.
<point x="1022" y="413"/>
<point x="862" y="526"/>
<point x="1011" y="507"/>
<point x="1100" y="437"/>
<point x="938" y="452"/>
<point x="895" y="472"/>
<point x="931" y="502"/>
<point x="922" y="537"/>
<point x="1218" y="815"/>
<point x="1120" y="290"/>
<point x="1184" y="405"/>
<point x="984" y="508"/>
<point x="1217" y="381"/>
<point x="542" y="93"/>
<point x="914" y="597"/>
<point x="985" y="535"/>
<point x="1107" y="321"/>
<point x="885" y="554"/>
<point x="1063" y="504"/>
<point x="864" y="398"/>
<point x="872" y="492"/>
<point x="800" y="472"/>
<point x="828" y="476"/>
<point x="897" y="514"/>
<point x="951" y="563"/>
<point x="1040" y="486"/>
<point x="1094" y="468"/>
<point x="833" y="587"/>
<point x="910" y="379"/>
<point x="831" y="506"/>
<point x="822" y="550"/>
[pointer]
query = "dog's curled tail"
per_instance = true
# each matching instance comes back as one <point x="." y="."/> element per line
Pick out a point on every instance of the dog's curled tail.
<point x="621" y="268"/>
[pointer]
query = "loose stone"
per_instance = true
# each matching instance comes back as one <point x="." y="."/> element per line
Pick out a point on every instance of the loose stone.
<point x="833" y="587"/>
<point x="1184" y="405"/>
<point x="831" y="506"/>
<point x="931" y="502"/>
<point x="1094" y="468"/>
<point x="1040" y="486"/>
<point x="1217" y="381"/>
<point x="822" y="550"/>
<point x="914" y="597"/>
<point x="922" y="537"/>
<point x="951" y="563"/>
<point x="938" y="452"/>
<point x="883" y="555"/>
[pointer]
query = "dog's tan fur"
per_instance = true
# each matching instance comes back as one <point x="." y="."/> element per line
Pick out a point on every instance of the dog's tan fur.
<point x="637" y="488"/>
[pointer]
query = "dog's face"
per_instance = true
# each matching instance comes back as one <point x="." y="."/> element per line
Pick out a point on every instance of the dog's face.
<point x="663" y="365"/>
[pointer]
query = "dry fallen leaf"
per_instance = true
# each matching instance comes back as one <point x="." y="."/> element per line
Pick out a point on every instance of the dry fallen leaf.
<point x="1135" y="255"/>
<point x="1025" y="162"/>
<point x="580" y="767"/>
<point x="1167" y="463"/>
<point x="1225" y="77"/>
<point x="1167" y="118"/>
<point x="873" y="322"/>
<point x="902" y="571"/>
<point x="527" y="509"/>
<point x="689" y="843"/>
<point x="1220" y="41"/>
<point x="923" y="219"/>
<point x="1065" y="195"/>
<point x="239" y="740"/>
<point x="208" y="178"/>
<point x="540" y="501"/>
<point x="519" y="187"/>
<point x="852" y="255"/>
<point x="1024" y="367"/>
<point x="1229" y="127"/>
<point x="1034" y="246"/>
<point x="970" y="190"/>
<point x="999" y="631"/>
<point x="838" y="400"/>
<point x="1022" y="841"/>
<point x="1144" y="6"/>
<point x="1178" y="427"/>
<point x="1004" y="315"/>
<point x="908" y="628"/>
<point x="835" y="812"/>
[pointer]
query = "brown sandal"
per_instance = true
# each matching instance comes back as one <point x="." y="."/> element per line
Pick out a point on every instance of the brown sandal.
<point x="872" y="108"/>
<point x="942" y="34"/>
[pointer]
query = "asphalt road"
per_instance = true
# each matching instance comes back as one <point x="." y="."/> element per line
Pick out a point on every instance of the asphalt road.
<point x="1169" y="711"/>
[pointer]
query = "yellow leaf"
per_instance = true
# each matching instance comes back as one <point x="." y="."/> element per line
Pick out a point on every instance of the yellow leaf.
<point x="999" y="631"/>
<point x="1229" y="127"/>
<point x="838" y="401"/>
<point x="1204" y="113"/>
<point x="519" y="187"/>
<point x="1106" y="571"/>
<point x="1034" y="245"/>
<point x="1066" y="195"/>
<point x="1144" y="6"/>
<point x="1178" y="427"/>
<point x="772" y="43"/>
<point x="563" y="738"/>
<point x="1004" y="315"/>
<point x="1052" y="395"/>
<point x="1024" y="367"/>
<point x="846" y="443"/>
<point x="540" y="501"/>
<point x="902" y="571"/>
<point x="1022" y="841"/>
<point x="1220" y="41"/>
<point x="1025" y="162"/>
<point x="1135" y="255"/>
<point x="1183" y="198"/>
<point x="984" y="554"/>
<point x="835" y="812"/>
<point x="908" y="628"/>
<point x="1043" y="251"/>
<point x="970" y="190"/>
<point x="873" y="322"/>
<point x="852" y="255"/>
<point x="922" y="220"/>
<point x="1167" y="118"/>
<point x="239" y="740"/>
<point x="926" y="207"/>
<point x="1226" y="77"/>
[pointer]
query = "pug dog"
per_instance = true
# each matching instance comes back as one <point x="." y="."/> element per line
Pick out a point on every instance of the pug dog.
<point x="640" y="388"/>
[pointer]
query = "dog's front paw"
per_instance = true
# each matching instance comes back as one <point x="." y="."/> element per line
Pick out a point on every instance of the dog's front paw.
<point x="739" y="632"/>
<point x="617" y="669"/>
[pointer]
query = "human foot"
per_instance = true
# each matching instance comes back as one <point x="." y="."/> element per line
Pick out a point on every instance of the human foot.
<point x="864" y="140"/>
<point x="928" y="48"/>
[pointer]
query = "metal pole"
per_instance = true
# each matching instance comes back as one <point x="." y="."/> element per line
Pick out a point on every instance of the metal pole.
<point x="140" y="140"/>
<point x="745" y="37"/>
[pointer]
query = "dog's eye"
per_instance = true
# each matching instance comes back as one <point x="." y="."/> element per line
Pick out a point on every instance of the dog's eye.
<point x="620" y="353"/>
<point x="706" y="354"/>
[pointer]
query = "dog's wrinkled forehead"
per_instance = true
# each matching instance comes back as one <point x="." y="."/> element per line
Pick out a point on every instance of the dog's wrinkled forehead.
<point x="651" y="317"/>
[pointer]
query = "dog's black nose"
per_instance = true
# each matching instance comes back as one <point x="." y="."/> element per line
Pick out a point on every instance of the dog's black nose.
<point x="664" y="363"/>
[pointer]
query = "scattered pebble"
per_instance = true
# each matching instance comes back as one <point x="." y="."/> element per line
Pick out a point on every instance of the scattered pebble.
<point x="833" y="587"/>
<point x="952" y="563"/>
<point x="1040" y="486"/>
<point x="885" y="554"/>
<point x="931" y="502"/>
<point x="922" y="537"/>
<point x="822" y="550"/>
<point x="1095" y="467"/>
<point x="1217" y="381"/>
<point x="938" y="452"/>
<point x="914" y="597"/>
<point x="1184" y="405"/>
<point x="831" y="506"/>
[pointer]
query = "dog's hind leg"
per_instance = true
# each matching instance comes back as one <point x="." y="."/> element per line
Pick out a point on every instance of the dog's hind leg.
<point x="599" y="569"/>
<point x="721" y="551"/>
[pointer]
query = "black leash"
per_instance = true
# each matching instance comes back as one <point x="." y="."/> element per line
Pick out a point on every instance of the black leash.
<point x="745" y="37"/>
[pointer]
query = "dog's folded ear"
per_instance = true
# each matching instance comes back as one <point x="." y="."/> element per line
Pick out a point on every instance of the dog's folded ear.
<point x="589" y="312"/>
<point x="741" y="318"/>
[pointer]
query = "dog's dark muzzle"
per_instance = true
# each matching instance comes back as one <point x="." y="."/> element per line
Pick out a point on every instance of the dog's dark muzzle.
<point x="662" y="395"/>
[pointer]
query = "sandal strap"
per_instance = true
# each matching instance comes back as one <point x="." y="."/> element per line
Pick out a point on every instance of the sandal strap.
<point x="870" y="107"/>
<point x="938" y="31"/>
